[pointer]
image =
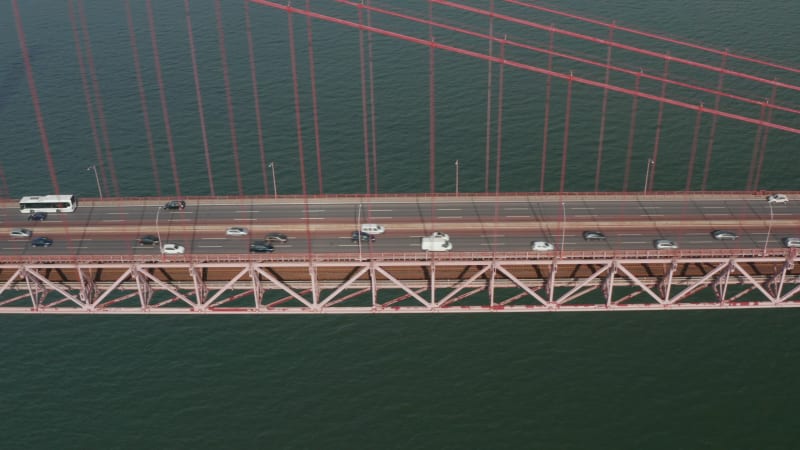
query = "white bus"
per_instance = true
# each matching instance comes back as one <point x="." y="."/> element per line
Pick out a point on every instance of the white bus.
<point x="48" y="203"/>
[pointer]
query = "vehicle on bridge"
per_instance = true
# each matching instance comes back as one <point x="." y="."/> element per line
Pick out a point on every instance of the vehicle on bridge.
<point x="48" y="203"/>
<point x="594" y="236"/>
<point x="147" y="240"/>
<point x="173" y="249"/>
<point x="175" y="204"/>
<point x="38" y="216"/>
<point x="778" y="198"/>
<point x="236" y="231"/>
<point x="723" y="235"/>
<point x="436" y="242"/>
<point x="20" y="232"/>
<point x="276" y="237"/>
<point x="542" y="246"/>
<point x="665" y="244"/>
<point x="42" y="242"/>
<point x="364" y="237"/>
<point x="261" y="247"/>
<point x="372" y="228"/>
<point x="790" y="242"/>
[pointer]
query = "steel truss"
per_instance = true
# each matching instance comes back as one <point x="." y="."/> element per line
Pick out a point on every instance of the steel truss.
<point x="490" y="284"/>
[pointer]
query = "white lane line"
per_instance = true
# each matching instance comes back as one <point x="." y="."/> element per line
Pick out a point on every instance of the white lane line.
<point x="651" y="207"/>
<point x="316" y="210"/>
<point x="179" y="220"/>
<point x="499" y="243"/>
<point x="451" y="217"/>
<point x="380" y="210"/>
<point x="382" y="217"/>
<point x="244" y="211"/>
<point x="13" y="248"/>
<point x="712" y="207"/>
<point x="515" y="209"/>
<point x="517" y="217"/>
<point x="117" y="213"/>
<point x="111" y="220"/>
<point x="79" y="247"/>
<point x="312" y="218"/>
<point x="580" y="207"/>
<point x="209" y="246"/>
<point x="449" y="209"/>
<point x="717" y="214"/>
<point x="651" y="215"/>
<point x="698" y="242"/>
<point x="249" y="218"/>
<point x="583" y="215"/>
<point x="214" y="239"/>
<point x="634" y="242"/>
<point x="631" y="234"/>
<point x="782" y="214"/>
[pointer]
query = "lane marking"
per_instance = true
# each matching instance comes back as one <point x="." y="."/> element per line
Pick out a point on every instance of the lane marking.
<point x="632" y="234"/>
<point x="449" y="209"/>
<point x="209" y="246"/>
<point x="651" y="215"/>
<point x="249" y="218"/>
<point x="312" y="218"/>
<point x="634" y="242"/>
<point x="245" y="211"/>
<point x="112" y="220"/>
<point x="117" y="213"/>
<point x="451" y="217"/>
<point x="580" y="207"/>
<point x="214" y="238"/>
<point x="518" y="217"/>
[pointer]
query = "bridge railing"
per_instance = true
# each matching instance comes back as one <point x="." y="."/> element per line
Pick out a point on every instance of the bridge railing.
<point x="565" y="257"/>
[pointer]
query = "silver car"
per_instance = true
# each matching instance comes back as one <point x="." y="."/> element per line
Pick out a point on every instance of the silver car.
<point x="790" y="242"/>
<point x="20" y="232"/>
<point x="723" y="235"/>
<point x="665" y="244"/>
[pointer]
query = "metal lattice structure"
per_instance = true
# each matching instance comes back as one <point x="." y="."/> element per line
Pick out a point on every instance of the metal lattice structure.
<point x="400" y="283"/>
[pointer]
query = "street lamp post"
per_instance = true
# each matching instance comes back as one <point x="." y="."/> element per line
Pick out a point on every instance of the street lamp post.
<point x="274" y="181"/>
<point x="93" y="168"/>
<point x="456" y="177"/>
<point x="769" y="229"/>
<point x="158" y="232"/>
<point x="650" y="164"/>
<point x="563" y="225"/>
<point x="358" y="230"/>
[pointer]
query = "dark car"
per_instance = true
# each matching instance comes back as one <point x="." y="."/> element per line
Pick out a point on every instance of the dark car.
<point x="42" y="242"/>
<point x="38" y="216"/>
<point x="147" y="240"/>
<point x="594" y="236"/>
<point x="276" y="237"/>
<point x="723" y="235"/>
<point x="175" y="204"/>
<point x="261" y="247"/>
<point x="365" y="237"/>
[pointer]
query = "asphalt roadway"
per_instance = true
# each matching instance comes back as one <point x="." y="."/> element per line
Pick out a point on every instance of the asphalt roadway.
<point x="479" y="223"/>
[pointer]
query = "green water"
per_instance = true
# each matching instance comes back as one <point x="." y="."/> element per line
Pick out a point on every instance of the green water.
<point x="712" y="379"/>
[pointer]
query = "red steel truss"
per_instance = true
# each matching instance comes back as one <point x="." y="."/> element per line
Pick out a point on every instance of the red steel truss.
<point x="405" y="283"/>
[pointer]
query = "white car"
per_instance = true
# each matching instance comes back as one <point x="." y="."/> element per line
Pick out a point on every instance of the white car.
<point x="372" y="228"/>
<point x="778" y="198"/>
<point x="439" y="235"/>
<point x="236" y="231"/>
<point x="20" y="232"/>
<point x="790" y="242"/>
<point x="542" y="246"/>
<point x="173" y="249"/>
<point x="665" y="244"/>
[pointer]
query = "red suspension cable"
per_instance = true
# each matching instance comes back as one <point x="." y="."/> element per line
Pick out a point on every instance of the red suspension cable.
<point x="98" y="98"/>
<point x="34" y="96"/>
<point x="631" y="134"/>
<point x="690" y="170"/>
<point x="713" y="132"/>
<point x="566" y="136"/>
<point x="604" y="108"/>
<point x="657" y="138"/>
<point x="256" y="102"/>
<point x="546" y="131"/>
<point x="489" y="99"/>
<point x="199" y="96"/>
<point x="371" y="104"/>
<point x="314" y="99"/>
<point x="228" y="96"/>
<point x="142" y="98"/>
<point x="87" y="97"/>
<point x="756" y="146"/>
<point x="432" y="105"/>
<point x="163" y="96"/>
<point x="500" y="93"/>
<point x="763" y="148"/>
<point x="364" y="113"/>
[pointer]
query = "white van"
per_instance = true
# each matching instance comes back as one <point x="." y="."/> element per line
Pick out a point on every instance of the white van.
<point x="434" y="243"/>
<point x="372" y="228"/>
